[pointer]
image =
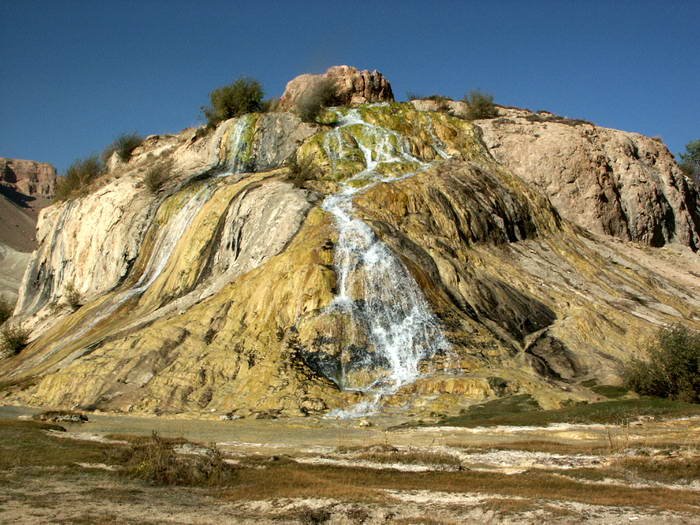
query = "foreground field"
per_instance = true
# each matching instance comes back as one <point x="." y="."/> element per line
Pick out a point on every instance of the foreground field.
<point x="111" y="470"/>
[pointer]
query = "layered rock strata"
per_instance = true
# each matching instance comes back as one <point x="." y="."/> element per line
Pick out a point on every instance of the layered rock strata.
<point x="220" y="294"/>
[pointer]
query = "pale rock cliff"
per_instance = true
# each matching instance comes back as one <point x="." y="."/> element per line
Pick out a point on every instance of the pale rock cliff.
<point x="608" y="181"/>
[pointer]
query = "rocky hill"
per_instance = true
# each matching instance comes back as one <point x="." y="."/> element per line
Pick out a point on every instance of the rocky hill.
<point x="407" y="259"/>
<point x="25" y="188"/>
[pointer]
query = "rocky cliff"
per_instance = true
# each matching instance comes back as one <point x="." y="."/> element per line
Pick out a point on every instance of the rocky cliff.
<point x="409" y="266"/>
<point x="28" y="177"/>
<point x="25" y="188"/>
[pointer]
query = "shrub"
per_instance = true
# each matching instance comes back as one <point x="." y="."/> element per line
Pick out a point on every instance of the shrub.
<point x="690" y="160"/>
<point x="156" y="176"/>
<point x="155" y="460"/>
<point x="6" y="309"/>
<point x="270" y="105"/>
<point x="480" y="105"/>
<point x="243" y="96"/>
<point x="672" y="369"/>
<point x="78" y="176"/>
<point x="322" y="94"/>
<point x="72" y="296"/>
<point x="124" y="144"/>
<point x="301" y="170"/>
<point x="14" y="339"/>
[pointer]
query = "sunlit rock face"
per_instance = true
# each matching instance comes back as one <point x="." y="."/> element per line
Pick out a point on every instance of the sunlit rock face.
<point x="608" y="181"/>
<point x="407" y="270"/>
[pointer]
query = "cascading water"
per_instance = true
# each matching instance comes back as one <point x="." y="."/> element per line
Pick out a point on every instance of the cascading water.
<point x="391" y="307"/>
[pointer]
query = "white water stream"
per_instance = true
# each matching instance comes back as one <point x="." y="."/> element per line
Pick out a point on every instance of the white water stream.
<point x="391" y="307"/>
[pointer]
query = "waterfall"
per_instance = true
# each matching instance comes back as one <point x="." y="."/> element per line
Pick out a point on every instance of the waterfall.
<point x="392" y="309"/>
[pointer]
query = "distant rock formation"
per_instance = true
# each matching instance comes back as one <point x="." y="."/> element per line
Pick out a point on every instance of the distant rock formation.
<point x="28" y="177"/>
<point x="26" y="187"/>
<point x="354" y="86"/>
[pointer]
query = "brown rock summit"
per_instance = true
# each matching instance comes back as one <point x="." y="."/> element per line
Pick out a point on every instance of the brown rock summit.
<point x="354" y="86"/>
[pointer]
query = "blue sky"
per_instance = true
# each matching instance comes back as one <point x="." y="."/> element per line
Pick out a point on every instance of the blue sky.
<point x="75" y="74"/>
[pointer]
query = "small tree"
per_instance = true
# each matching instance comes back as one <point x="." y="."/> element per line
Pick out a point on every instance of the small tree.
<point x="245" y="95"/>
<point x="672" y="369"/>
<point x="78" y="175"/>
<point x="480" y="105"/>
<point x="690" y="160"/>
<point x="322" y="94"/>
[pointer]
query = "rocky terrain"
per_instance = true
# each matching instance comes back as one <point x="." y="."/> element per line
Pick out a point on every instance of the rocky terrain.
<point x="420" y="263"/>
<point x="25" y="188"/>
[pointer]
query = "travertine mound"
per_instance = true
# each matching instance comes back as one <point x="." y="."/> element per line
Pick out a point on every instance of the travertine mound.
<point x="354" y="86"/>
<point x="219" y="294"/>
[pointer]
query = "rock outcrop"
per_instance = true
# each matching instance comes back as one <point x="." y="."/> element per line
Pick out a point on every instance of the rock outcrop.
<point x="28" y="177"/>
<point x="26" y="187"/>
<point x="354" y="86"/>
<point x="234" y="290"/>
<point x="607" y="181"/>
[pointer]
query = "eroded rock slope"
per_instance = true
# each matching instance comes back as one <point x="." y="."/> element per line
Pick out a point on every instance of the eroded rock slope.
<point x="408" y="268"/>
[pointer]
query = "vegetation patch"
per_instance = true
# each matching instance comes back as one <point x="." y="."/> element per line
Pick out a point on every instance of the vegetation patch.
<point x="610" y="391"/>
<point x="609" y="412"/>
<point x="78" y="177"/>
<point x="301" y="169"/>
<point x="155" y="460"/>
<point x="123" y="145"/>
<point x="13" y="339"/>
<point x="480" y="105"/>
<point x="549" y="117"/>
<point x="73" y="297"/>
<point x="155" y="177"/>
<point x="672" y="369"/>
<point x="245" y="95"/>
<point x="6" y="309"/>
<point x="322" y="94"/>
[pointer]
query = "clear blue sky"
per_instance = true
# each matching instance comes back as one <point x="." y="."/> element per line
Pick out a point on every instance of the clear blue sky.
<point x="74" y="74"/>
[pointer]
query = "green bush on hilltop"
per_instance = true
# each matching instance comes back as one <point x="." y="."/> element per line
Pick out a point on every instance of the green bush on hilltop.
<point x="78" y="176"/>
<point x="672" y="369"/>
<point x="245" y="95"/>
<point x="123" y="145"/>
<point x="480" y="105"/>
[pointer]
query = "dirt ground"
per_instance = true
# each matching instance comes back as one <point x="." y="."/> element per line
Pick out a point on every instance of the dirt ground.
<point x="328" y="471"/>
